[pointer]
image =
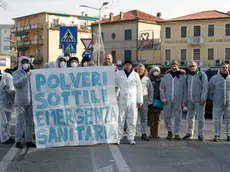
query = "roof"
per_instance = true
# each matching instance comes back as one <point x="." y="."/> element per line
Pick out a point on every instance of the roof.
<point x="6" y="25"/>
<point x="132" y="15"/>
<point x="203" y="15"/>
<point x="57" y="14"/>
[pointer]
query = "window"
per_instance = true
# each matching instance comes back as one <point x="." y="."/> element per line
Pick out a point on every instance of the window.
<point x="196" y="54"/>
<point x="102" y="36"/>
<point x="227" y="53"/>
<point x="168" y="55"/>
<point x="6" y="48"/>
<point x="39" y="52"/>
<point x="183" y="31"/>
<point x="128" y="54"/>
<point x="197" y="31"/>
<point x="183" y="54"/>
<point x="128" y="34"/>
<point x="211" y="30"/>
<point x="227" y="29"/>
<point x="210" y="53"/>
<point x="168" y="32"/>
<point x="113" y="53"/>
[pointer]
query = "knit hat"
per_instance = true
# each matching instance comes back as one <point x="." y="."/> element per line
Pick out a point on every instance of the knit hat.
<point x="128" y="61"/>
<point x="174" y="62"/>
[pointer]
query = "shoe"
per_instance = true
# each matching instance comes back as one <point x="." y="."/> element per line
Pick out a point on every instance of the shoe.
<point x="228" y="138"/>
<point x="19" y="145"/>
<point x="132" y="142"/>
<point x="157" y="137"/>
<point x="145" y="137"/>
<point x="187" y="137"/>
<point x="170" y="135"/>
<point x="177" y="137"/>
<point x="30" y="145"/>
<point x="118" y="142"/>
<point x="216" y="138"/>
<point x="201" y="138"/>
<point x="10" y="141"/>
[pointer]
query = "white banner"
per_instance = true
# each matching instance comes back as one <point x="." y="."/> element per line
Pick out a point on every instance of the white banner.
<point x="74" y="106"/>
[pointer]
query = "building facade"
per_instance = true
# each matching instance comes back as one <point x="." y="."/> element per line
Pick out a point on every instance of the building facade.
<point x="203" y="37"/>
<point x="133" y="35"/>
<point x="5" y="39"/>
<point x="37" y="35"/>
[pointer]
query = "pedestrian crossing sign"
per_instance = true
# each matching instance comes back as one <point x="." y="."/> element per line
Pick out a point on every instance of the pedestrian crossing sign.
<point x="70" y="48"/>
<point x="68" y="37"/>
<point x="68" y="34"/>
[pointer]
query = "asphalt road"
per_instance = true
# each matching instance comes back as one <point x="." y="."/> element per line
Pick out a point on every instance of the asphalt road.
<point x="153" y="156"/>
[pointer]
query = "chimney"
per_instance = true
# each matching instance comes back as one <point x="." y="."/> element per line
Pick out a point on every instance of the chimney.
<point x="159" y="14"/>
<point x="86" y="15"/>
<point x="82" y="13"/>
<point x="110" y="16"/>
<point x="121" y="15"/>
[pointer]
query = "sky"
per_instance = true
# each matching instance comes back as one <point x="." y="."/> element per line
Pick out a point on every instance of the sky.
<point x="168" y="8"/>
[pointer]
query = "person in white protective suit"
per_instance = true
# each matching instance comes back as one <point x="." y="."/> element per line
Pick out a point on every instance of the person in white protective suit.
<point x="147" y="91"/>
<point x="173" y="95"/>
<point x="219" y="92"/>
<point x="7" y="93"/>
<point x="23" y="103"/>
<point x="197" y="92"/>
<point x="130" y="99"/>
<point x="61" y="62"/>
<point x="73" y="62"/>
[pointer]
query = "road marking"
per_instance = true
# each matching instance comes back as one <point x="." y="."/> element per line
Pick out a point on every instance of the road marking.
<point x="105" y="169"/>
<point x="121" y="164"/>
<point x="8" y="158"/>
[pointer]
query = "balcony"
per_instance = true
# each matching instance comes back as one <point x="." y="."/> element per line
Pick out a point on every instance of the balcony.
<point x="23" y="44"/>
<point x="36" y="26"/>
<point x="37" y="42"/>
<point x="20" y="29"/>
<point x="27" y="27"/>
<point x="56" y="25"/>
<point x="198" y="40"/>
<point x="13" y="30"/>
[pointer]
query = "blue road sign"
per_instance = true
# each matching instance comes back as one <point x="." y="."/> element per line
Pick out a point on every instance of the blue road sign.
<point x="70" y="48"/>
<point x="87" y="53"/>
<point x="68" y="34"/>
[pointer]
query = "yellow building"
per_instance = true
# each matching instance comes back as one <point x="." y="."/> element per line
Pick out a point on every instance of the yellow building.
<point x="38" y="35"/>
<point x="132" y="35"/>
<point x="203" y="37"/>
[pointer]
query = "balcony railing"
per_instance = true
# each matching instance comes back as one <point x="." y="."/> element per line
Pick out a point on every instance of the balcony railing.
<point x="197" y="40"/>
<point x="37" y="42"/>
<point x="13" y="29"/>
<point x="27" y="27"/>
<point x="20" y="29"/>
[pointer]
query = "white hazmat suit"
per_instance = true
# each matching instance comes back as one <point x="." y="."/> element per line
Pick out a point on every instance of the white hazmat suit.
<point x="129" y="97"/>
<point x="219" y="92"/>
<point x="7" y="93"/>
<point x="173" y="90"/>
<point x="197" y="91"/>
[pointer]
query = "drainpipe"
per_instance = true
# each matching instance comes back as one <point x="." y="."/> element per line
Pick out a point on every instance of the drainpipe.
<point x="137" y="39"/>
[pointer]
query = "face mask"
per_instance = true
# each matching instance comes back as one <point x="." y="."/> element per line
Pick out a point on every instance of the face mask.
<point x="25" y="66"/>
<point x="63" y="64"/>
<point x="156" y="73"/>
<point x="74" y="64"/>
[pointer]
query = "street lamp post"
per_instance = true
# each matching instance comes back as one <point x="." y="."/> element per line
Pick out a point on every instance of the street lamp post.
<point x="99" y="27"/>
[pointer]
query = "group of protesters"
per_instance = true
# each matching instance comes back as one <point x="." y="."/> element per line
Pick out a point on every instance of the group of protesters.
<point x="140" y="94"/>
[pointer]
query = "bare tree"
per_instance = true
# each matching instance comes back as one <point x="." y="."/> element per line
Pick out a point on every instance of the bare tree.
<point x="3" y="4"/>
